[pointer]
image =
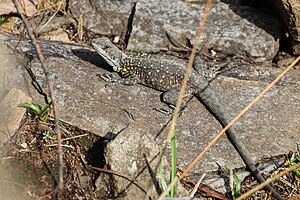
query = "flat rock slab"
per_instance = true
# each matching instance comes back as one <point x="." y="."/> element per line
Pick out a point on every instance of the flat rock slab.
<point x="77" y="89"/>
<point x="230" y="29"/>
<point x="11" y="114"/>
<point x="271" y="127"/>
<point x="263" y="129"/>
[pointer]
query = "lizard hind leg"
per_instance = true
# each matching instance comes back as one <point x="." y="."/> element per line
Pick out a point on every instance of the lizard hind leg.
<point x="209" y="72"/>
<point x="170" y="97"/>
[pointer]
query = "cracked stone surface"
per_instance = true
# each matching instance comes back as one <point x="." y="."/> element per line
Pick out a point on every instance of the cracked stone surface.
<point x="230" y="29"/>
<point x="79" y="95"/>
<point x="270" y="128"/>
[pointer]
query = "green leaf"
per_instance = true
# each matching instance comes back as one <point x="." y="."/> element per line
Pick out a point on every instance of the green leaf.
<point x="296" y="172"/>
<point x="46" y="109"/>
<point x="2" y="18"/>
<point x="33" y="106"/>
<point x="237" y="186"/>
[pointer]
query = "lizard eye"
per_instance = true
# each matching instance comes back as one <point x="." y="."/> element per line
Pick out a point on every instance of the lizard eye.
<point x="116" y="68"/>
<point x="105" y="47"/>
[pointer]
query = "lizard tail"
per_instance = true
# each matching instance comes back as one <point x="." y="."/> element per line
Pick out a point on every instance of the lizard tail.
<point x="213" y="104"/>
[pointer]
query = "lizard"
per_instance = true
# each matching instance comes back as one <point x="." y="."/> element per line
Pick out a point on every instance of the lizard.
<point x="166" y="76"/>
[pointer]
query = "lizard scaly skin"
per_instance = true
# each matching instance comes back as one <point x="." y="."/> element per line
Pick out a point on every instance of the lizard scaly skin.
<point x="167" y="76"/>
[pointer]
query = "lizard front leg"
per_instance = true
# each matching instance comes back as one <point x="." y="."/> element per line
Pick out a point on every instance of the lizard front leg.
<point x="112" y="78"/>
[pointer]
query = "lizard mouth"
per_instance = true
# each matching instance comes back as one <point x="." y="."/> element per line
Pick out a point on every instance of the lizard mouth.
<point x="116" y="68"/>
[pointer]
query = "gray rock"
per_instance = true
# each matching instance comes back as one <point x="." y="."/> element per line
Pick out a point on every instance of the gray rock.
<point x="11" y="114"/>
<point x="8" y="67"/>
<point x="8" y="7"/>
<point x="152" y="21"/>
<point x="135" y="154"/>
<point x="289" y="11"/>
<point x="104" y="17"/>
<point x="242" y="30"/>
<point x="231" y="29"/>
<point x="262" y="122"/>
<point x="270" y="128"/>
<point x="10" y="96"/>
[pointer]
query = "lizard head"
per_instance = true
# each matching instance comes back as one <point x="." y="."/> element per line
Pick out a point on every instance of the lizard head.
<point x="109" y="52"/>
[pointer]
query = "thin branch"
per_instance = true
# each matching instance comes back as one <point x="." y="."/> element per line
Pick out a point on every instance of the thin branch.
<point x="132" y="180"/>
<point x="41" y="58"/>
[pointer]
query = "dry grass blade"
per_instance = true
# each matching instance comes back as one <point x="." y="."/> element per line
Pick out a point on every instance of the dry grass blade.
<point x="277" y="176"/>
<point x="197" y="185"/>
<point x="58" y="9"/>
<point x="80" y="28"/>
<point x="188" y="70"/>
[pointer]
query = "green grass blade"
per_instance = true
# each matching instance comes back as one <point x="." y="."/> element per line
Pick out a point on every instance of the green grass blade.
<point x="33" y="106"/>
<point x="174" y="163"/>
<point x="45" y="110"/>
<point x="296" y="173"/>
<point x="161" y="172"/>
<point x="237" y="186"/>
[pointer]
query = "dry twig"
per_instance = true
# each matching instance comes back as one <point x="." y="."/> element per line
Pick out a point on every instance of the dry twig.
<point x="41" y="58"/>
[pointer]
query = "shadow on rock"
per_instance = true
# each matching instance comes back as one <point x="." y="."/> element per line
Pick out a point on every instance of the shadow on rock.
<point x="95" y="155"/>
<point x="92" y="57"/>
